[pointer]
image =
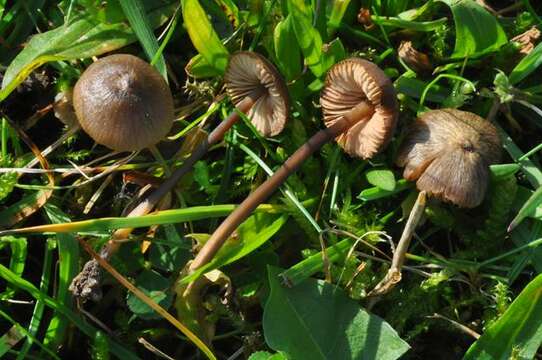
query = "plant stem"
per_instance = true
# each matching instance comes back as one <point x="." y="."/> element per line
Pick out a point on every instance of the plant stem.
<point x="394" y="273"/>
<point x="265" y="190"/>
<point x="149" y="202"/>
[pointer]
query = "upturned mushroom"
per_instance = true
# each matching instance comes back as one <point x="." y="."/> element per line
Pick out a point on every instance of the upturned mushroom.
<point x="360" y="110"/>
<point x="448" y="153"/>
<point x="258" y="90"/>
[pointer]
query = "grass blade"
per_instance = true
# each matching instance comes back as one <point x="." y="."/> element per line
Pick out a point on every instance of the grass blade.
<point x="68" y="266"/>
<point x="135" y="13"/>
<point x="158" y="218"/>
<point x="39" y="307"/>
<point x="203" y="36"/>
<point x="16" y="281"/>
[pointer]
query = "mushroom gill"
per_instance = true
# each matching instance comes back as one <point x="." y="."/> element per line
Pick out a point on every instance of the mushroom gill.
<point x="251" y="75"/>
<point x="448" y="153"/>
<point x="349" y="83"/>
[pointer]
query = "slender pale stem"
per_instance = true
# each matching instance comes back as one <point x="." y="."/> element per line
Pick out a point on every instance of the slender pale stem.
<point x="149" y="202"/>
<point x="241" y="213"/>
<point x="394" y="273"/>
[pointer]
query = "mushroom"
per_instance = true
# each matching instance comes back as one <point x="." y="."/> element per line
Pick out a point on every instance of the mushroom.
<point x="250" y="78"/>
<point x="257" y="89"/>
<point x="360" y="111"/>
<point x="448" y="153"/>
<point x="122" y="102"/>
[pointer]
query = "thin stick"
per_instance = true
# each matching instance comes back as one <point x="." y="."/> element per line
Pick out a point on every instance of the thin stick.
<point x="228" y="226"/>
<point x="467" y="330"/>
<point x="394" y="273"/>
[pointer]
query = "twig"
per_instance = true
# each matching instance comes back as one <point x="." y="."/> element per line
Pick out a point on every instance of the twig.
<point x="456" y="324"/>
<point x="394" y="273"/>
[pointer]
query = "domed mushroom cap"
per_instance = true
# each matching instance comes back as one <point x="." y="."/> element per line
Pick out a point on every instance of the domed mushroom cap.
<point x="448" y="153"/>
<point x="250" y="74"/>
<point x="348" y="83"/>
<point x="123" y="103"/>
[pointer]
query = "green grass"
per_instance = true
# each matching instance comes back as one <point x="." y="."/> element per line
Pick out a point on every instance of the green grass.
<point x="468" y="272"/>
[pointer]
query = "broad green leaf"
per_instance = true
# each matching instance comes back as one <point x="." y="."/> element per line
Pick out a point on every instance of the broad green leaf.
<point x="203" y="36"/>
<point x="167" y="255"/>
<point x="477" y="32"/>
<point x="287" y="52"/>
<point x="316" y="320"/>
<point x="308" y="37"/>
<point x="504" y="170"/>
<point x="82" y="38"/>
<point x="382" y="178"/>
<point x="157" y="288"/>
<point x="378" y="193"/>
<point x="527" y="65"/>
<point x="337" y="13"/>
<point x="265" y="355"/>
<point x="518" y="332"/>
<point x="199" y="68"/>
<point x="252" y="234"/>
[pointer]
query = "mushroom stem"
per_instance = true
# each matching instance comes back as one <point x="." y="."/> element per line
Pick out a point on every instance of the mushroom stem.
<point x="394" y="273"/>
<point x="149" y="202"/>
<point x="243" y="211"/>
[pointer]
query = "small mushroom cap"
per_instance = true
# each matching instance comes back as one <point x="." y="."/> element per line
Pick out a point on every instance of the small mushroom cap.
<point x="348" y="83"/>
<point x="122" y="102"/>
<point x="448" y="153"/>
<point x="250" y="74"/>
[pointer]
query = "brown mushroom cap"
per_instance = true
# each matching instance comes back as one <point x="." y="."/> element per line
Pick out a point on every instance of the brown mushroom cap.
<point x="348" y="83"/>
<point x="122" y="102"/>
<point x="250" y="74"/>
<point x="448" y="152"/>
